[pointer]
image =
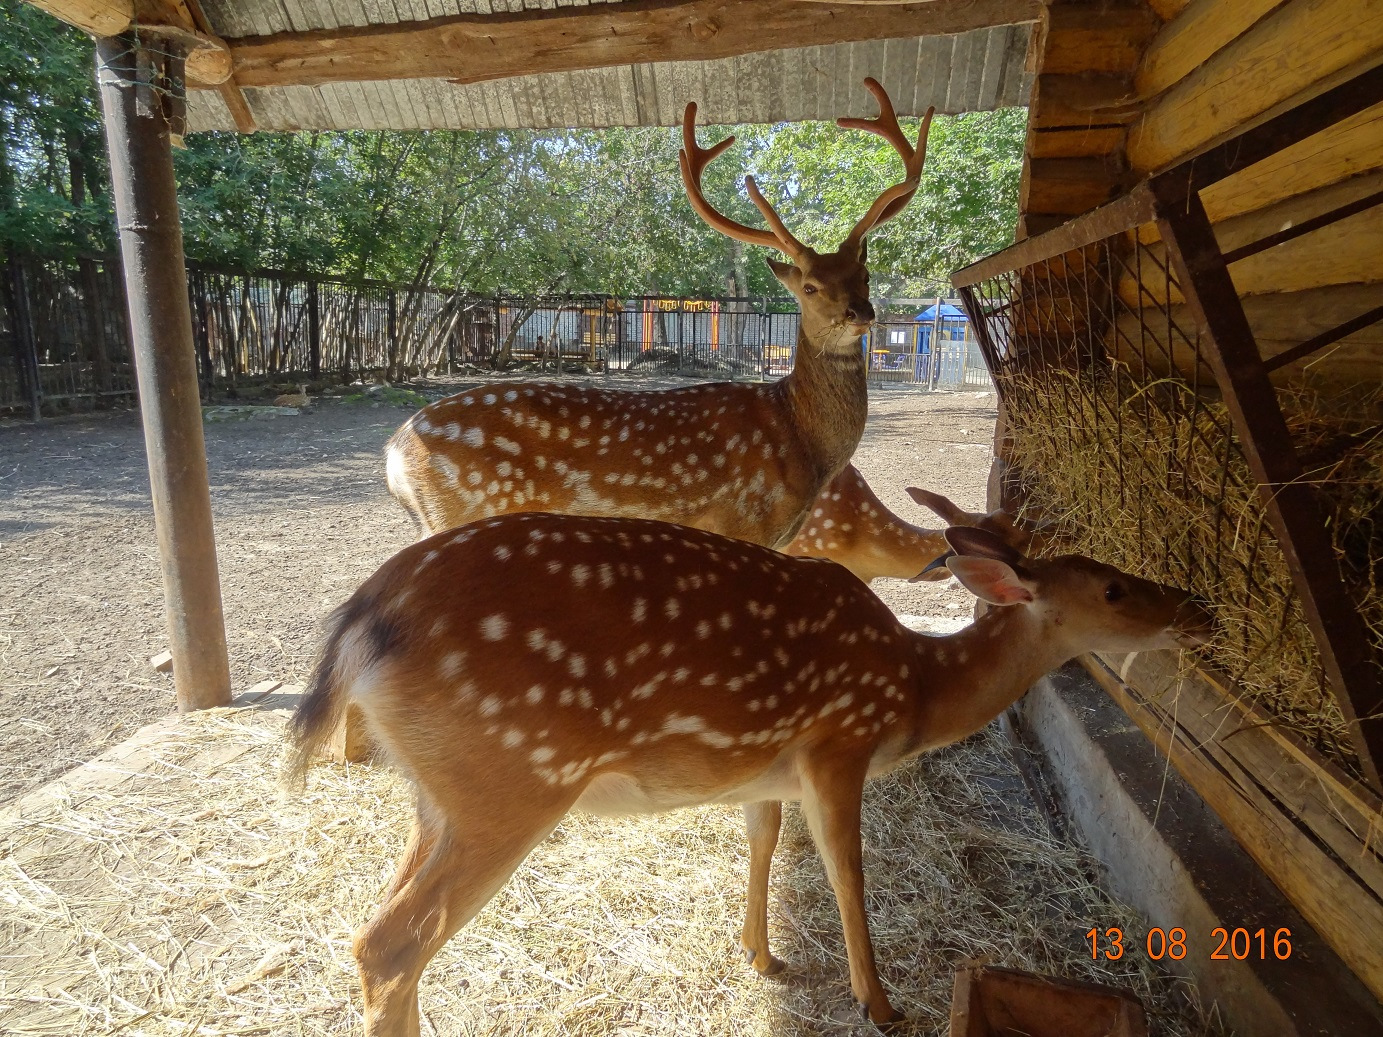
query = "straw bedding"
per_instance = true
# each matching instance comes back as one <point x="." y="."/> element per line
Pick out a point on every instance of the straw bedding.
<point x="1147" y="479"/>
<point x="195" y="899"/>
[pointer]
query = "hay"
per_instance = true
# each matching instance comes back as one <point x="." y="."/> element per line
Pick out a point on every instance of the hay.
<point x="192" y="899"/>
<point x="1148" y="479"/>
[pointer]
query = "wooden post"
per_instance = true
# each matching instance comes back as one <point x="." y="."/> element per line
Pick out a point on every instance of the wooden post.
<point x="25" y="347"/>
<point x="392" y="311"/>
<point x="314" y="331"/>
<point x="98" y="352"/>
<point x="201" y="330"/>
<point x="936" y="345"/>
<point x="137" y="85"/>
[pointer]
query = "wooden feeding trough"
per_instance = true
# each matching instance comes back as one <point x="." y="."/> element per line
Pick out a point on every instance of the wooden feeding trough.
<point x="995" y="1002"/>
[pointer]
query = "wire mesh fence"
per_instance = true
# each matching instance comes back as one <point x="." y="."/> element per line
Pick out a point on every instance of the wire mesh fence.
<point x="1119" y="437"/>
<point x="65" y="336"/>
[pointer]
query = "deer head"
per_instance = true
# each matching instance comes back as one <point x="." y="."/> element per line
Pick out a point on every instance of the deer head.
<point x="831" y="288"/>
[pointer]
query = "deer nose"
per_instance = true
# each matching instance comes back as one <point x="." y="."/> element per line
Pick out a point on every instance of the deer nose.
<point x="860" y="312"/>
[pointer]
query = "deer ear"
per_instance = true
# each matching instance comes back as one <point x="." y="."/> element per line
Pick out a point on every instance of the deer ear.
<point x="990" y="580"/>
<point x="940" y="506"/>
<point x="864" y="251"/>
<point x="785" y="272"/>
<point x="982" y="543"/>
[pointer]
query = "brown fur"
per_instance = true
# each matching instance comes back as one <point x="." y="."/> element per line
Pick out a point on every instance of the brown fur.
<point x="518" y="667"/>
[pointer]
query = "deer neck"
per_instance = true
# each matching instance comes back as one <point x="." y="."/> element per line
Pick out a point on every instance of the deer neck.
<point x="828" y="400"/>
<point x="968" y="678"/>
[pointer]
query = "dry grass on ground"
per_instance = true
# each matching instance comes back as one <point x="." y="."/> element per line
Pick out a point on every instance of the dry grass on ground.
<point x="193" y="899"/>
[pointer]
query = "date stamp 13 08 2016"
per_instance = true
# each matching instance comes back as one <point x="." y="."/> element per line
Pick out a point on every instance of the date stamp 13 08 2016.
<point x="1228" y="944"/>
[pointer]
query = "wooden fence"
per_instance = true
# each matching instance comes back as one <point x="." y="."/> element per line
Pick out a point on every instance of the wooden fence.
<point x="64" y="337"/>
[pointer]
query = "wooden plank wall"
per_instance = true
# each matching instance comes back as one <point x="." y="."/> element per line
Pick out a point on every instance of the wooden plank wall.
<point x="1081" y="108"/>
<point x="1126" y="88"/>
<point x="1216" y="67"/>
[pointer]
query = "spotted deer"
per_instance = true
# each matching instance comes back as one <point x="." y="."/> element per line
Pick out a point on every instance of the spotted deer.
<point x="523" y="666"/>
<point x="745" y="460"/>
<point x="848" y="524"/>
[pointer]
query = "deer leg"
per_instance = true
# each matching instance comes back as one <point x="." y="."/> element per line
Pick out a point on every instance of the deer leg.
<point x="831" y="793"/>
<point x="761" y="823"/>
<point x="444" y="891"/>
<point x="422" y="838"/>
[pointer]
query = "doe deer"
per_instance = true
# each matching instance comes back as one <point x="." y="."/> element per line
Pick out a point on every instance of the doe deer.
<point x="848" y="524"/>
<point x="739" y="459"/>
<point x="520" y="667"/>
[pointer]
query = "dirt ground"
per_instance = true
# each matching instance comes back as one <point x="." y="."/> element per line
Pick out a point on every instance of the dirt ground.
<point x="302" y="516"/>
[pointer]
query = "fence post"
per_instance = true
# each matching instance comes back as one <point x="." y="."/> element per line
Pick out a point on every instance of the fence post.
<point x="393" y="311"/>
<point x="935" y="378"/>
<point x="25" y="347"/>
<point x="201" y="330"/>
<point x="95" y="312"/>
<point x="314" y="332"/>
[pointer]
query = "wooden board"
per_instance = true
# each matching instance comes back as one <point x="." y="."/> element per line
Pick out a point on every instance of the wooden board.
<point x="1350" y="147"/>
<point x="1345" y="252"/>
<point x="1093" y="38"/>
<point x="1081" y="142"/>
<point x="1168" y="9"/>
<point x="1322" y="856"/>
<point x="1294" y="50"/>
<point x="1279" y="321"/>
<point x="1096" y="100"/>
<point x="476" y="48"/>
<point x="1193" y="37"/>
<point x="1071" y="185"/>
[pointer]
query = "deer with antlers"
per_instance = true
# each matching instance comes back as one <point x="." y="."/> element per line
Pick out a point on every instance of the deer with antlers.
<point x="530" y="664"/>
<point x="848" y="524"/>
<point x="743" y="460"/>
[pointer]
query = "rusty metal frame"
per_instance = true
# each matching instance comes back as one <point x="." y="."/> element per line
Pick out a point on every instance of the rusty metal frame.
<point x="1294" y="506"/>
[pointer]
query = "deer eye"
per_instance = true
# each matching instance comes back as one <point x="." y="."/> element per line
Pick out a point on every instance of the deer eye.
<point x="809" y="289"/>
<point x="1113" y="593"/>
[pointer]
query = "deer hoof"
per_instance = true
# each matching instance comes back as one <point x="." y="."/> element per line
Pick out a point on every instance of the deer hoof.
<point x="765" y="964"/>
<point x="889" y="1022"/>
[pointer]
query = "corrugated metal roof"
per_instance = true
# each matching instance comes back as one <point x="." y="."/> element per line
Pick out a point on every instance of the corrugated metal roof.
<point x="974" y="71"/>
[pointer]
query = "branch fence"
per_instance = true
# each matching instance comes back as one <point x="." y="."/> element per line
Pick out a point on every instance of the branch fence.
<point x="64" y="337"/>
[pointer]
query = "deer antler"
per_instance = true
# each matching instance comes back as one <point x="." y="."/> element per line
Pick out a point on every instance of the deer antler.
<point x="694" y="160"/>
<point x="891" y="202"/>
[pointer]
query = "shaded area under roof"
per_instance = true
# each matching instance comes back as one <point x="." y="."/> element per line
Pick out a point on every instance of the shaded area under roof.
<point x="978" y="70"/>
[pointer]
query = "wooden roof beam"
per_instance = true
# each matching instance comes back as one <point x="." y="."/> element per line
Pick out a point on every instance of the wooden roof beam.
<point x="208" y="57"/>
<point x="481" y="48"/>
<point x="98" y="17"/>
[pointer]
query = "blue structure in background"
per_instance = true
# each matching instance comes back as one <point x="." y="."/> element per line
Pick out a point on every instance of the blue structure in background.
<point x="952" y="325"/>
<point x="952" y="329"/>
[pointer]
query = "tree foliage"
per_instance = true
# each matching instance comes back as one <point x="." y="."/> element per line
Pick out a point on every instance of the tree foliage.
<point x="494" y="211"/>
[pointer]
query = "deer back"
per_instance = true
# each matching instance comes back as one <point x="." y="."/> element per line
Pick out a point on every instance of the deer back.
<point x="721" y="457"/>
<point x="555" y="648"/>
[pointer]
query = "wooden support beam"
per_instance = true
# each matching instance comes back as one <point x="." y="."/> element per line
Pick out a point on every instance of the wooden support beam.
<point x="98" y="17"/>
<point x="1292" y="502"/>
<point x="209" y="64"/>
<point x="476" y="48"/>
<point x="137" y="116"/>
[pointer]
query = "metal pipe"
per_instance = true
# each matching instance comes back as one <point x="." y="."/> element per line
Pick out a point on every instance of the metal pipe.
<point x="146" y="207"/>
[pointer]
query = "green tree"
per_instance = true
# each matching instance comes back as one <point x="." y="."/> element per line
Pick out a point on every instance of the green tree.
<point x="513" y="212"/>
<point x="53" y="170"/>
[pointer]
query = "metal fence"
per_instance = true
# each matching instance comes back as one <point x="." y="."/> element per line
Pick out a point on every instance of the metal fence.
<point x="1141" y="419"/>
<point x="64" y="335"/>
